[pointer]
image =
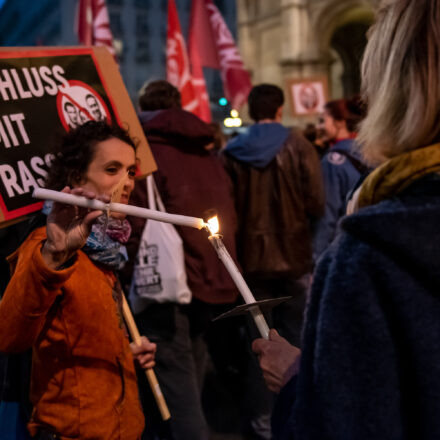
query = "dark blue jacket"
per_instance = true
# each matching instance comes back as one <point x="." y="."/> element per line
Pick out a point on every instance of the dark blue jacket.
<point x="371" y="344"/>
<point x="340" y="176"/>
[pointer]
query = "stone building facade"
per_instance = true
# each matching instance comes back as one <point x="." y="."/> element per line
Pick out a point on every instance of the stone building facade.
<point x="282" y="40"/>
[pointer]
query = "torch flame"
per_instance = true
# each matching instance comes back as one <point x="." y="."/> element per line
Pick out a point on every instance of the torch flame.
<point x="213" y="225"/>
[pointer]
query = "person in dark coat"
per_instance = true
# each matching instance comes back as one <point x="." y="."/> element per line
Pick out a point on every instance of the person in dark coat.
<point x="370" y="365"/>
<point x="278" y="192"/>
<point x="191" y="181"/>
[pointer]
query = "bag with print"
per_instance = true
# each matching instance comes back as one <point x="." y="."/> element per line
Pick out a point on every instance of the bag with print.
<point x="159" y="271"/>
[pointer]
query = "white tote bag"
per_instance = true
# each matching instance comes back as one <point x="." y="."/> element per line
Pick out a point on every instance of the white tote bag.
<point x="159" y="271"/>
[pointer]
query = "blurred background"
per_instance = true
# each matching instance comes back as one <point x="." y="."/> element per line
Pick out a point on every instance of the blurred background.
<point x="279" y="40"/>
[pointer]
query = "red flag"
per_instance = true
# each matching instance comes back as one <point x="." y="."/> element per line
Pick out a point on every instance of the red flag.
<point x="236" y="79"/>
<point x="178" y="69"/>
<point x="202" y="52"/>
<point x="94" y="25"/>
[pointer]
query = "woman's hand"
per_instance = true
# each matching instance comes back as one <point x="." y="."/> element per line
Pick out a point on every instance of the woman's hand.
<point x="278" y="359"/>
<point x="67" y="229"/>
<point x="144" y="353"/>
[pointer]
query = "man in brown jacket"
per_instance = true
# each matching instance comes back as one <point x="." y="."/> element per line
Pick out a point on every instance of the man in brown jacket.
<point x="278" y="191"/>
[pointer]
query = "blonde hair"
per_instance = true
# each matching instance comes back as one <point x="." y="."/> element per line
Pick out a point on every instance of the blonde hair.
<point x="401" y="79"/>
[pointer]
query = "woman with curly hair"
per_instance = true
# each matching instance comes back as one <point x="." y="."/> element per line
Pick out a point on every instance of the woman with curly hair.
<point x="64" y="300"/>
<point x="370" y="365"/>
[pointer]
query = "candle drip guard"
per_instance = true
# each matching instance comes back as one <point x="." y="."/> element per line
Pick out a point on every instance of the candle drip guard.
<point x="265" y="304"/>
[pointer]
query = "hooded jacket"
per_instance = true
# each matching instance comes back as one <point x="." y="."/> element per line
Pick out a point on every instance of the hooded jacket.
<point x="191" y="181"/>
<point x="340" y="177"/>
<point x="278" y="189"/>
<point x="370" y="367"/>
<point x="259" y="145"/>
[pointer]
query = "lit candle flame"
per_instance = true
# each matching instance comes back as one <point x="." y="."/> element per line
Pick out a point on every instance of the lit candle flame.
<point x="213" y="225"/>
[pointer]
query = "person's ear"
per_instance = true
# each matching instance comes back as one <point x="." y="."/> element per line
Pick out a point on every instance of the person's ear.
<point x="279" y="114"/>
<point x="75" y="179"/>
<point x="338" y="124"/>
<point x="341" y="126"/>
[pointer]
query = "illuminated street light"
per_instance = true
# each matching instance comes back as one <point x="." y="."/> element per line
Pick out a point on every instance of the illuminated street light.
<point x="234" y="120"/>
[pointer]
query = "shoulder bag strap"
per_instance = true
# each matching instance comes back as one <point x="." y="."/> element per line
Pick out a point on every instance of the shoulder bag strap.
<point x="154" y="199"/>
<point x="150" y="192"/>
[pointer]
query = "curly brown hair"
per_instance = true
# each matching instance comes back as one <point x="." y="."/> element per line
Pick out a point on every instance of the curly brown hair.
<point x="76" y="150"/>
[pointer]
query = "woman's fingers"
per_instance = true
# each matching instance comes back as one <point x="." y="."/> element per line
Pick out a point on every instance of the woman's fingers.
<point x="84" y="193"/>
<point x="104" y="198"/>
<point x="91" y="217"/>
<point x="278" y="359"/>
<point x="85" y="215"/>
<point x="146" y="361"/>
<point x="145" y="346"/>
<point x="144" y="353"/>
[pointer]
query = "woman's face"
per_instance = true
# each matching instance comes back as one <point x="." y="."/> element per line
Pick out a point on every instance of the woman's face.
<point x="114" y="161"/>
<point x="329" y="126"/>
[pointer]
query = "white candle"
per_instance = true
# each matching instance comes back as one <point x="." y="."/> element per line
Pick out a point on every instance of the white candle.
<point x="71" y="199"/>
<point x="239" y="281"/>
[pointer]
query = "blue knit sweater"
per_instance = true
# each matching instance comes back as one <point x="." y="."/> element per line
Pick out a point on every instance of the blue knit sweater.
<point x="371" y="344"/>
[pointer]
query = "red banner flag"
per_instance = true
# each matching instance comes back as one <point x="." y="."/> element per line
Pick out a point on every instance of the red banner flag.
<point x="201" y="47"/>
<point x="178" y="69"/>
<point x="236" y="79"/>
<point x="93" y="24"/>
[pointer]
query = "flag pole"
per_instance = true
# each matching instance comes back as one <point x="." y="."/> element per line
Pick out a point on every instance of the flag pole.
<point x="149" y="372"/>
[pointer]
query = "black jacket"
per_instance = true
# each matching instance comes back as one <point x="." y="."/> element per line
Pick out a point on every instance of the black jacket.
<point x="191" y="181"/>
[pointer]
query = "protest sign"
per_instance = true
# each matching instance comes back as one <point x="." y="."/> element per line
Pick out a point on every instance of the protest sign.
<point x="45" y="92"/>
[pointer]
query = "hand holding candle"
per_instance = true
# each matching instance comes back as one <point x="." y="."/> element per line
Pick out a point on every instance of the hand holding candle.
<point x="67" y="228"/>
<point x="212" y="226"/>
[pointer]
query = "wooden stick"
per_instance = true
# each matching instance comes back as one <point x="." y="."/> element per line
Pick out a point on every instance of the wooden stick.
<point x="151" y="376"/>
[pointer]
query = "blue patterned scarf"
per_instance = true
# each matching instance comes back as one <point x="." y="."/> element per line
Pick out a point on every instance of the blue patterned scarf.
<point x="105" y="244"/>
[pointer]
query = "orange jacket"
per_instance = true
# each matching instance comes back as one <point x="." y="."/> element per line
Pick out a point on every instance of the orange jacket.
<point x="83" y="381"/>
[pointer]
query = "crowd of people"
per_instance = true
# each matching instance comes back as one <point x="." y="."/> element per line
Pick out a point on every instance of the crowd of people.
<point x="341" y="217"/>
